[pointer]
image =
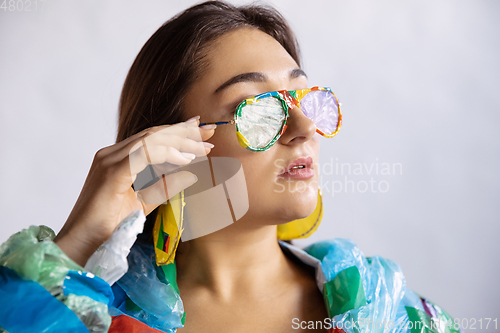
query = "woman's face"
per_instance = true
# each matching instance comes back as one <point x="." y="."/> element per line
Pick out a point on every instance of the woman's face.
<point x="272" y="198"/>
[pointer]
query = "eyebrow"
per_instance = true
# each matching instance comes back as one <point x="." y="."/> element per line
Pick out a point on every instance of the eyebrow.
<point x="295" y="73"/>
<point x="256" y="77"/>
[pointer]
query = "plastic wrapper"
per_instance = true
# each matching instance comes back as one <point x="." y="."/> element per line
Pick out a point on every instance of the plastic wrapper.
<point x="142" y="295"/>
<point x="33" y="255"/>
<point x="29" y="307"/>
<point x="370" y="295"/>
<point x="109" y="262"/>
<point x="34" y="270"/>
<point x="90" y="312"/>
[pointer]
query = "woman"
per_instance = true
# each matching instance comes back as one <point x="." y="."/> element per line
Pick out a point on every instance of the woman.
<point x="199" y="67"/>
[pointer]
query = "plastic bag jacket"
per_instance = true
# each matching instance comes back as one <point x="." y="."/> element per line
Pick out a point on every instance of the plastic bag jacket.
<point x="42" y="290"/>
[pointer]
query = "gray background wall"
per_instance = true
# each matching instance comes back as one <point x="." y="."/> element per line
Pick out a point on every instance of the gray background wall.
<point x="419" y="85"/>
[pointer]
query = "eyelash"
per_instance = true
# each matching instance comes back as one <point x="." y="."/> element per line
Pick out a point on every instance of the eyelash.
<point x="234" y="106"/>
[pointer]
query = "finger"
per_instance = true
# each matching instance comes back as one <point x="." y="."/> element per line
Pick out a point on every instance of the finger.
<point x="134" y="138"/>
<point x="165" y="168"/>
<point x="181" y="144"/>
<point x="206" y="133"/>
<point x="178" y="128"/>
<point x="118" y="152"/>
<point x="155" y="151"/>
<point x="189" y="131"/>
<point x="146" y="155"/>
<point x="164" y="189"/>
<point x="171" y="136"/>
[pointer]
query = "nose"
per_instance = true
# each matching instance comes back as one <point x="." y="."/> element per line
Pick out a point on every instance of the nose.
<point x="299" y="128"/>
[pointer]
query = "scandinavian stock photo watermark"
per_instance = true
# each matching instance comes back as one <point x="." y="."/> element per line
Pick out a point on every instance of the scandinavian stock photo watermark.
<point x="336" y="176"/>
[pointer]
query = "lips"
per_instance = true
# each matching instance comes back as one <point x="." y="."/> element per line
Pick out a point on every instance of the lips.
<point x="301" y="168"/>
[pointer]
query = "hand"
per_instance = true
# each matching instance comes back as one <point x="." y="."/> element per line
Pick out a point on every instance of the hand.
<point x="107" y="195"/>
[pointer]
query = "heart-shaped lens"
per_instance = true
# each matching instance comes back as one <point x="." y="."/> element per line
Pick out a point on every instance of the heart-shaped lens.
<point x="259" y="122"/>
<point x="322" y="108"/>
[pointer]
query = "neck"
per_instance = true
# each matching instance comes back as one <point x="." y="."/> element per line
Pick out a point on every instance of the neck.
<point x="243" y="258"/>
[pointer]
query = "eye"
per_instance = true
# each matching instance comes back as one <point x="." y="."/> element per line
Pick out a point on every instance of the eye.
<point x="234" y="106"/>
<point x="238" y="101"/>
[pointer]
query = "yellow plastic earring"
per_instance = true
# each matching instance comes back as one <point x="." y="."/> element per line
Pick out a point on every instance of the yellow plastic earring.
<point x="303" y="228"/>
<point x="168" y="229"/>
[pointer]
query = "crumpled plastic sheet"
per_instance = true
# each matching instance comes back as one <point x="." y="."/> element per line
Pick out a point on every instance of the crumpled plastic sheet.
<point x="369" y="294"/>
<point x="33" y="256"/>
<point x="109" y="262"/>
<point x="29" y="307"/>
<point x="160" y="305"/>
<point x="382" y="280"/>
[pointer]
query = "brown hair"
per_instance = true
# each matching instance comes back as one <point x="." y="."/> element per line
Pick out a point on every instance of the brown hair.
<point x="172" y="59"/>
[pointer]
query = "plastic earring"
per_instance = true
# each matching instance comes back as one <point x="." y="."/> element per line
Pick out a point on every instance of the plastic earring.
<point x="303" y="228"/>
<point x="168" y="229"/>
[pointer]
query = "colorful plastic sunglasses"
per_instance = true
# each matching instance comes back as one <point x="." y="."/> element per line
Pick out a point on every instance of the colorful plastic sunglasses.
<point x="261" y="120"/>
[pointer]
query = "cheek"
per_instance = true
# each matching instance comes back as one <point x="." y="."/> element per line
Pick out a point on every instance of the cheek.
<point x="225" y="142"/>
<point x="226" y="145"/>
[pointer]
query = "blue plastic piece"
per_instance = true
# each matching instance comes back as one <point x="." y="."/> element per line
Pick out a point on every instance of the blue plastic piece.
<point x="158" y="304"/>
<point x="87" y="284"/>
<point x="36" y="309"/>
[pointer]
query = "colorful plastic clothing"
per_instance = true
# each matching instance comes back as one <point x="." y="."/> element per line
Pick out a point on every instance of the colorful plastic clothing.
<point x="42" y="290"/>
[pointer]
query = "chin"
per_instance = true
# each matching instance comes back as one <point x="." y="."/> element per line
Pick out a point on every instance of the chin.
<point x="279" y="206"/>
<point x="300" y="204"/>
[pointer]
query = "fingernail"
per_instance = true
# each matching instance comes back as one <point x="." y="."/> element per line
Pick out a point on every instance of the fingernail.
<point x="189" y="155"/>
<point x="193" y="119"/>
<point x="195" y="178"/>
<point x="208" y="144"/>
<point x="211" y="126"/>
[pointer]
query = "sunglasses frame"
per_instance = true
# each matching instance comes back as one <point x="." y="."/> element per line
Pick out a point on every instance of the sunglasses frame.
<point x="289" y="99"/>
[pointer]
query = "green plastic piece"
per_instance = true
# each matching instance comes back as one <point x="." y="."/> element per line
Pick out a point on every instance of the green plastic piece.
<point x="159" y="243"/>
<point x="421" y="322"/>
<point x="131" y="306"/>
<point x="168" y="275"/>
<point x="345" y="292"/>
<point x="170" y="272"/>
<point x="33" y="256"/>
